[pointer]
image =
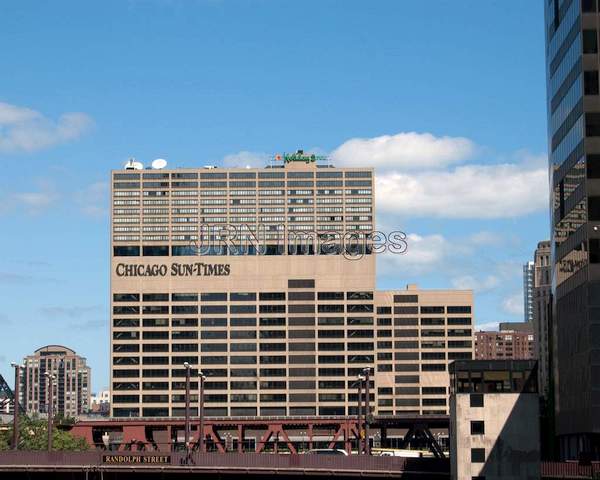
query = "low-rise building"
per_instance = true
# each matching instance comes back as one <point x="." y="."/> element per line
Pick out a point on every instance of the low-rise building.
<point x="515" y="340"/>
<point x="494" y="419"/>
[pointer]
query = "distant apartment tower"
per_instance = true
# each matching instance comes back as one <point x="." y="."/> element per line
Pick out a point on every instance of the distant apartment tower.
<point x="542" y="312"/>
<point x="513" y="341"/>
<point x="71" y="385"/>
<point x="573" y="109"/>
<point x="278" y="330"/>
<point x="494" y="420"/>
<point x="528" y="279"/>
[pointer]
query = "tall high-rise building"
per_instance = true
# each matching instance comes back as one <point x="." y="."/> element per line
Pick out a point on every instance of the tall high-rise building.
<point x="528" y="279"/>
<point x="71" y="382"/>
<point x="542" y="313"/>
<point x="264" y="279"/>
<point x="573" y="101"/>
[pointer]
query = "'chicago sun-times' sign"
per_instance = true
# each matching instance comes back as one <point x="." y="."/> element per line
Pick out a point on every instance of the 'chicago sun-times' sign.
<point x="197" y="269"/>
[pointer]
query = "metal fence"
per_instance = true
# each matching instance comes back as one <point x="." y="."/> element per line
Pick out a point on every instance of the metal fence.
<point x="248" y="462"/>
<point x="570" y="470"/>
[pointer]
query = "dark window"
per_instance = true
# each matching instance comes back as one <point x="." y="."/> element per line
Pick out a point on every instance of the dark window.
<point x="330" y="295"/>
<point x="213" y="297"/>
<point x="406" y="298"/>
<point x="155" y="297"/>
<point x="588" y="6"/>
<point x="156" y="250"/>
<point x="384" y="310"/>
<point x="266" y="296"/>
<point x="272" y="309"/>
<point x="126" y="251"/>
<point x="590" y="41"/>
<point x="184" y="309"/>
<point x="272" y="322"/>
<point x="301" y="296"/>
<point x="594" y="208"/>
<point x="242" y="297"/>
<point x="592" y="124"/>
<point x="213" y="309"/>
<point x="404" y="322"/>
<point x="155" y="347"/>
<point x="243" y="322"/>
<point x="126" y="297"/>
<point x="476" y="400"/>
<point x="301" y="284"/>
<point x="477" y="455"/>
<point x="242" y="309"/>
<point x="405" y="310"/>
<point x="594" y="250"/>
<point x="184" y="297"/>
<point x="433" y="367"/>
<point x="477" y="427"/>
<point x="432" y="309"/>
<point x="459" y="321"/>
<point x="590" y="82"/>
<point x="458" y="309"/>
<point x="213" y="322"/>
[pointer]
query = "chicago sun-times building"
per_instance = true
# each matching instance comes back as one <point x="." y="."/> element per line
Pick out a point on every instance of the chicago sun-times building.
<point x="207" y="268"/>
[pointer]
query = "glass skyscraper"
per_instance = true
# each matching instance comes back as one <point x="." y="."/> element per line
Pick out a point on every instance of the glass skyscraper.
<point x="572" y="62"/>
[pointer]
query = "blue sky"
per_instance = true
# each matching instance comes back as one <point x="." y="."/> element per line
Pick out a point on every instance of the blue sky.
<point x="446" y="97"/>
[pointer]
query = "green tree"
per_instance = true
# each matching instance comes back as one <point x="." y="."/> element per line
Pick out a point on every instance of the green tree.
<point x="33" y="435"/>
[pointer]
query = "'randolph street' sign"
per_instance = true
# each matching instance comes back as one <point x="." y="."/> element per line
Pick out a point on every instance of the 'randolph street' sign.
<point x="137" y="459"/>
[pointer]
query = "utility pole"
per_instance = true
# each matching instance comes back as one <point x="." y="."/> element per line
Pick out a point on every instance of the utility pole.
<point x="50" y="407"/>
<point x="201" y="412"/>
<point x="15" y="439"/>
<point x="366" y="372"/>
<point x="359" y="415"/>
<point x="187" y="405"/>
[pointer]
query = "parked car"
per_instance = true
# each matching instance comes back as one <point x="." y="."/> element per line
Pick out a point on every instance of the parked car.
<point x="327" y="451"/>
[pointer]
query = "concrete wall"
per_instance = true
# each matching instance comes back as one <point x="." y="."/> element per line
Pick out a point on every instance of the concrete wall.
<point x="511" y="438"/>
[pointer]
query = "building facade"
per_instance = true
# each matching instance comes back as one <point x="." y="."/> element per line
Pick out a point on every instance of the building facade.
<point x="573" y="103"/>
<point x="71" y="384"/>
<point x="542" y="313"/>
<point x="528" y="281"/>
<point x="494" y="420"/>
<point x="513" y="341"/>
<point x="282" y="325"/>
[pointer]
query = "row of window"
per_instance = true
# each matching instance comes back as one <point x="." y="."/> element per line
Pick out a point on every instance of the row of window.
<point x="242" y="175"/>
<point x="282" y="411"/>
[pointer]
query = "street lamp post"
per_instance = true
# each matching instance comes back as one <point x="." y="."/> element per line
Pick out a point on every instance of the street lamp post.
<point x="366" y="373"/>
<point x="50" y="407"/>
<point x="15" y="440"/>
<point x="201" y="412"/>
<point x="359" y="414"/>
<point x="187" y="405"/>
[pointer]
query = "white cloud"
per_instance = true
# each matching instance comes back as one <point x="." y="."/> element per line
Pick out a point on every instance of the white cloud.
<point x="471" y="282"/>
<point x="244" y="159"/>
<point x="472" y="191"/>
<point x="25" y="130"/>
<point x="487" y="327"/>
<point x="514" y="304"/>
<point x="93" y="199"/>
<point x="417" y="176"/>
<point x="403" y="151"/>
<point x="34" y="201"/>
<point x="423" y="253"/>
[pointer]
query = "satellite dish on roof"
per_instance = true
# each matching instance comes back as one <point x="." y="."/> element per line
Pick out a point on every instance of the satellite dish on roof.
<point x="159" y="164"/>
<point x="133" y="165"/>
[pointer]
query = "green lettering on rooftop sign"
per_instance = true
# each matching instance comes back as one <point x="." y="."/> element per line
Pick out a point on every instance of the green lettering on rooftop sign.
<point x="300" y="156"/>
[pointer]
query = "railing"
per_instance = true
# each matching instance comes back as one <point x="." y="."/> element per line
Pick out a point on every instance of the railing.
<point x="570" y="470"/>
<point x="233" y="462"/>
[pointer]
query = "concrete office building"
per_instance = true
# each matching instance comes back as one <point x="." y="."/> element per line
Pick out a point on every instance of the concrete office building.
<point x="494" y="420"/>
<point x="513" y="341"/>
<point x="542" y="312"/>
<point x="278" y="328"/>
<point x="528" y="278"/>
<point x="573" y="102"/>
<point x="71" y="384"/>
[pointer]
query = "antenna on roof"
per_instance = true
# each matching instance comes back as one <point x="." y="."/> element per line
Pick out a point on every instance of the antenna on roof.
<point x="133" y="165"/>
